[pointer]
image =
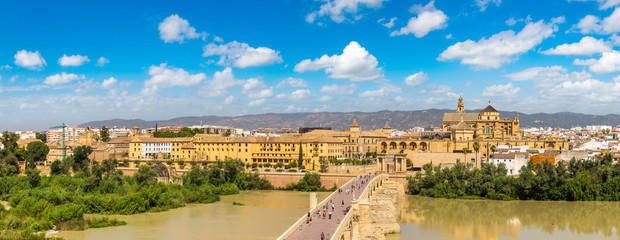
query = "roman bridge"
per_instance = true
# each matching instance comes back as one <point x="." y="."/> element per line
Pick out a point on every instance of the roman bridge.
<point x="368" y="211"/>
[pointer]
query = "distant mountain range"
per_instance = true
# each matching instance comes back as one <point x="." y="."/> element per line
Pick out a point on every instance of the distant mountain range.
<point x="368" y="120"/>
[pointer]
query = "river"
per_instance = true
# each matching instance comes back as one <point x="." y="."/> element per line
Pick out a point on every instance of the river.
<point x="265" y="215"/>
<point x="432" y="218"/>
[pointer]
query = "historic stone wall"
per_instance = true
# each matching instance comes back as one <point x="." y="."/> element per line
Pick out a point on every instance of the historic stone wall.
<point x="327" y="179"/>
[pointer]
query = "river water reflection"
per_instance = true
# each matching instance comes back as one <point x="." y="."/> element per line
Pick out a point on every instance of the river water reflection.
<point x="431" y="218"/>
<point x="266" y="215"/>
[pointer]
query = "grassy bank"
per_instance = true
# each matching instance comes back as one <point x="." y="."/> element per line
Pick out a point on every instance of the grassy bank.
<point x="579" y="180"/>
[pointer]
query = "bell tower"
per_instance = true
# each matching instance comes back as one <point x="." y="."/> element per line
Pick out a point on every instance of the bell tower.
<point x="460" y="108"/>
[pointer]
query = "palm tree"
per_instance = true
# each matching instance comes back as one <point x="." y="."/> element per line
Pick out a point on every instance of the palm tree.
<point x="465" y="150"/>
<point x="476" y="147"/>
<point x="493" y="148"/>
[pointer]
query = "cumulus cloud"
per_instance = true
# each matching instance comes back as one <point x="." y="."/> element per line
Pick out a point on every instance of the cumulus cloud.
<point x="325" y="98"/>
<point x="500" y="48"/>
<point x="586" y="46"/>
<point x="497" y="90"/>
<point x="482" y="4"/>
<point x="109" y="83"/>
<point x="255" y="88"/>
<point x="428" y="19"/>
<point x="176" y="29"/>
<point x="257" y="102"/>
<point x="592" y="24"/>
<point x="163" y="76"/>
<point x="241" y="54"/>
<point x="299" y="94"/>
<point x="341" y="10"/>
<point x="29" y="60"/>
<point x="381" y="92"/>
<point x="545" y="77"/>
<point x="355" y="63"/>
<point x="339" y="89"/>
<point x="292" y="82"/>
<point x="72" y="61"/>
<point x="603" y="4"/>
<point x="5" y="67"/>
<point x="615" y="40"/>
<point x="62" y="78"/>
<point x="221" y="82"/>
<point x="102" y="61"/>
<point x="229" y="99"/>
<point x="416" y="79"/>
<point x="609" y="62"/>
<point x="388" y="24"/>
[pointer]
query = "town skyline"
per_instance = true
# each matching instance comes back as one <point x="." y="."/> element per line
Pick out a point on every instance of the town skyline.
<point x="128" y="61"/>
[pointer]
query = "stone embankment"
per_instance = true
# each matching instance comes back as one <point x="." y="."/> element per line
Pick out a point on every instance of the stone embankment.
<point x="382" y="213"/>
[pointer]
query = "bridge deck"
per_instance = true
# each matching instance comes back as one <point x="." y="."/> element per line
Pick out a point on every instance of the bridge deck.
<point x="325" y="225"/>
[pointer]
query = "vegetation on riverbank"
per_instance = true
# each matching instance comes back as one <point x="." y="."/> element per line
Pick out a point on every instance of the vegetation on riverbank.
<point x="579" y="180"/>
<point x="311" y="182"/>
<point x="39" y="203"/>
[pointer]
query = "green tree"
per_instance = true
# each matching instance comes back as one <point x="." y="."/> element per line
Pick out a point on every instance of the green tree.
<point x="109" y="166"/>
<point x="493" y="147"/>
<point x="227" y="133"/>
<point x="300" y="161"/>
<point x="41" y="136"/>
<point x="476" y="147"/>
<point x="9" y="141"/>
<point x="145" y="176"/>
<point x="57" y="168"/>
<point x="33" y="177"/>
<point x="36" y="152"/>
<point x="80" y="158"/>
<point x="465" y="151"/>
<point x="104" y="134"/>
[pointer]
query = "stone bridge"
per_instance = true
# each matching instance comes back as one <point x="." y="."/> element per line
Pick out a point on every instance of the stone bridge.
<point x="368" y="211"/>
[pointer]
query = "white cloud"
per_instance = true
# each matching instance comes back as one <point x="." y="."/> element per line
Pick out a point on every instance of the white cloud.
<point x="325" y="98"/>
<point x="62" y="78"/>
<point x="416" y="79"/>
<point x="586" y="46"/>
<point x="241" y="54"/>
<point x="467" y="84"/>
<point x="588" y="24"/>
<point x="609" y="62"/>
<point x="482" y="4"/>
<point x="381" y="92"/>
<point x="506" y="91"/>
<point x="355" y="63"/>
<point x="229" y="99"/>
<point x="299" y="94"/>
<point x="603" y="4"/>
<point x="72" y="61"/>
<point x="102" y="61"/>
<point x="592" y="24"/>
<point x="615" y="40"/>
<point x="449" y="36"/>
<point x="30" y="60"/>
<point x="341" y="10"/>
<point x="257" y="102"/>
<point x="500" y="48"/>
<point x="255" y="88"/>
<point x="545" y="77"/>
<point x="511" y="22"/>
<point x="221" y="82"/>
<point x="389" y="24"/>
<point x="109" y="83"/>
<point x="163" y="76"/>
<point x="292" y="82"/>
<point x="5" y="67"/>
<point x="428" y="19"/>
<point x="617" y="79"/>
<point x="339" y="89"/>
<point x="176" y="29"/>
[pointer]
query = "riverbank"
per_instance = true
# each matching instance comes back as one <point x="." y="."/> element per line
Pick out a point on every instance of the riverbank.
<point x="265" y="215"/>
<point x="579" y="180"/>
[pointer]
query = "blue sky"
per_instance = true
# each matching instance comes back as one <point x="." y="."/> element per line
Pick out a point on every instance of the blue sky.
<point x="78" y="61"/>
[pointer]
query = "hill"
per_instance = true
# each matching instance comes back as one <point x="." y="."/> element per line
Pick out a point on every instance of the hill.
<point x="368" y="120"/>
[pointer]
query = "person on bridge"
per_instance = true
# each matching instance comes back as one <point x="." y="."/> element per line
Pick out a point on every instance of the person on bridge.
<point x="322" y="236"/>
